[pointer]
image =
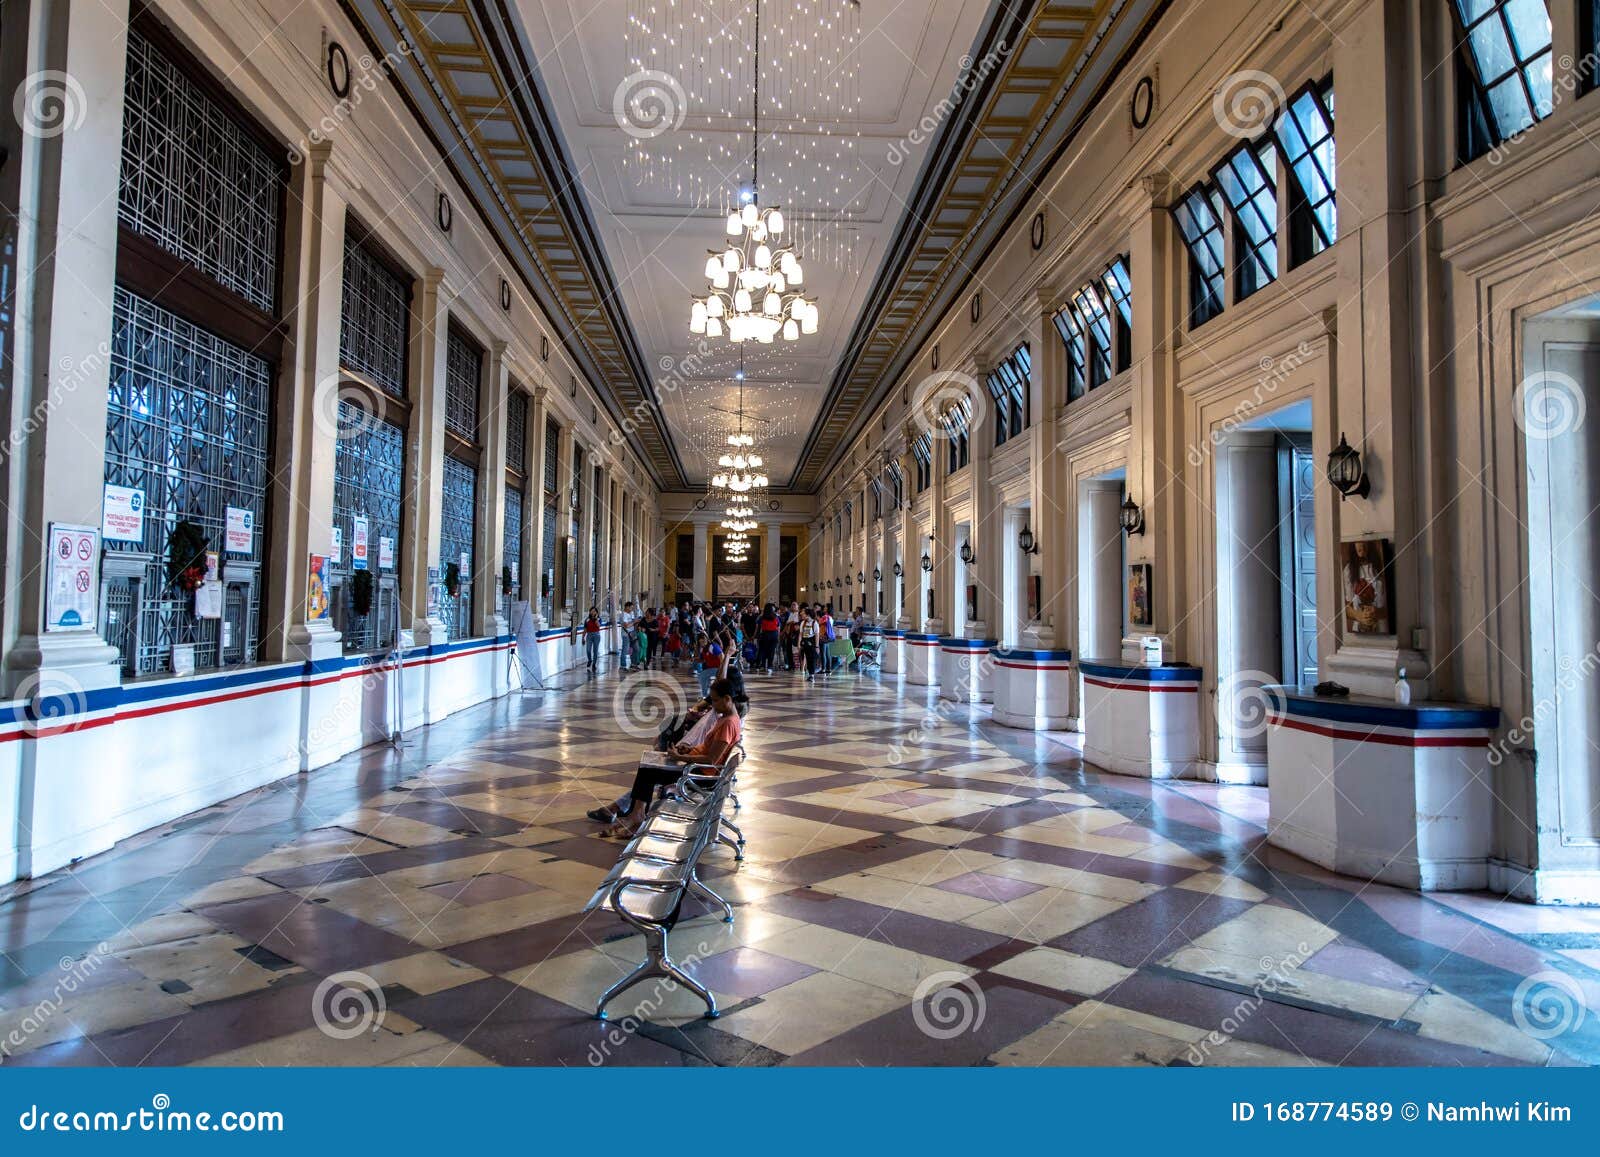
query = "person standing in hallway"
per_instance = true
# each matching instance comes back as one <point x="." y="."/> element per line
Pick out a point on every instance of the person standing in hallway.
<point x="809" y="631"/>
<point x="630" y="623"/>
<point x="767" y="628"/>
<point x="591" y="638"/>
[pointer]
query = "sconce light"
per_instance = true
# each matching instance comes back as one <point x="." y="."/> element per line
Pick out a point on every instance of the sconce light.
<point x="927" y="559"/>
<point x="1025" y="541"/>
<point x="877" y="574"/>
<point x="861" y="578"/>
<point x="968" y="555"/>
<point x="1132" y="516"/>
<point x="1345" y="471"/>
<point x="899" y="571"/>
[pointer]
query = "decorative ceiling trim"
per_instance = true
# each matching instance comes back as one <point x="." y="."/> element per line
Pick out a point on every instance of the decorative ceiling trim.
<point x="1004" y="135"/>
<point x="500" y="142"/>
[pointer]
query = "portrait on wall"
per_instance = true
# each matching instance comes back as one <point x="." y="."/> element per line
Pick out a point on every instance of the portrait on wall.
<point x="972" y="602"/>
<point x="1141" y="603"/>
<point x="1035" y="596"/>
<point x="1366" y="566"/>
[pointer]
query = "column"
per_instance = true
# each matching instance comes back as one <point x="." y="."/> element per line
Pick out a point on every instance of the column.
<point x="702" y="589"/>
<point x="425" y="456"/>
<point x="566" y="548"/>
<point x="493" y="384"/>
<point x="771" y="546"/>
<point x="988" y="525"/>
<point x="65" y="266"/>
<point x="533" y="508"/>
<point x="588" y="502"/>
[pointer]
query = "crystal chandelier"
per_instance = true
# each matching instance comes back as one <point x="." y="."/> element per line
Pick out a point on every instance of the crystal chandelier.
<point x="740" y="468"/>
<point x="755" y="281"/>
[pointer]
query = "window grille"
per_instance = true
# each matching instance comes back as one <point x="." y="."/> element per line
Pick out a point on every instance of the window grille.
<point x="458" y="541"/>
<point x="517" y="431"/>
<point x="1246" y="179"/>
<point x="374" y="319"/>
<point x="194" y="181"/>
<point x="368" y="482"/>
<point x="513" y="540"/>
<point x="1508" y="48"/>
<point x="187" y="423"/>
<point x="463" y="365"/>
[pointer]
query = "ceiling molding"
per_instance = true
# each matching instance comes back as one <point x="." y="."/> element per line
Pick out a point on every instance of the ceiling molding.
<point x="1002" y="138"/>
<point x="499" y="141"/>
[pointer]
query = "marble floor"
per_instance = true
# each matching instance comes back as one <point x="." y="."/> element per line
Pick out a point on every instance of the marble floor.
<point x="922" y="887"/>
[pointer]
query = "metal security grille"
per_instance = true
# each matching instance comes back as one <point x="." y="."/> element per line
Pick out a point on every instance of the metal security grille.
<point x="194" y="182"/>
<point x="462" y="364"/>
<point x="596" y="532"/>
<point x="547" y="564"/>
<point x="187" y="424"/>
<point x="513" y="540"/>
<point x="373" y="320"/>
<point x="517" y="431"/>
<point x="458" y="541"/>
<point x="368" y="473"/>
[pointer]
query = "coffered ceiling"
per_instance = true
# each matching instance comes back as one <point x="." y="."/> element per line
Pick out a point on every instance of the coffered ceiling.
<point x="521" y="96"/>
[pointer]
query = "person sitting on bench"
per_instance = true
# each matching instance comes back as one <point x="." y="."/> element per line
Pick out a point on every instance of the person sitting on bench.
<point x="725" y="732"/>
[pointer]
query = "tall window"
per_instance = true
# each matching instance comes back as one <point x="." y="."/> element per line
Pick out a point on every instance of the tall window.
<point x="1008" y="386"/>
<point x="1117" y="283"/>
<point x="1096" y="321"/>
<point x="458" y="522"/>
<point x="597" y="530"/>
<point x="1246" y="180"/>
<point x="1589" y="38"/>
<point x="369" y="455"/>
<point x="897" y="484"/>
<point x="1508" y="86"/>
<point x="957" y="422"/>
<point x="552" y="513"/>
<point x="516" y="487"/>
<point x="571" y="556"/>
<point x="190" y="399"/>
<point x="1075" y="337"/>
<point x="1199" y="218"/>
<point x="1304" y="134"/>
<point x="877" y="499"/>
<point x="922" y="455"/>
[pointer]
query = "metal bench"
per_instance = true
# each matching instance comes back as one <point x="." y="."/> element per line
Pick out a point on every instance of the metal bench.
<point x="659" y="867"/>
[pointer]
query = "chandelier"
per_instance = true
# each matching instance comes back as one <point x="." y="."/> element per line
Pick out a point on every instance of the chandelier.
<point x="739" y="470"/>
<point x="754" y="294"/>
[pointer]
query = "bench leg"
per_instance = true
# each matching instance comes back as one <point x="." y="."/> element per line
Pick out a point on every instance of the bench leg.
<point x="656" y="963"/>
<point x="698" y="885"/>
<point x="738" y="849"/>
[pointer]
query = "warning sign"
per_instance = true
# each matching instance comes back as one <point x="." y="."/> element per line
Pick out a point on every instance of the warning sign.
<point x="74" y="577"/>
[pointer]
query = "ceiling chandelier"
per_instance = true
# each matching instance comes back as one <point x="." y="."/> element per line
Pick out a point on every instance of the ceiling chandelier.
<point x="754" y="294"/>
<point x="739" y="470"/>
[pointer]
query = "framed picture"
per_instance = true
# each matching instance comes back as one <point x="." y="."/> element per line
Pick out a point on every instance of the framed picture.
<point x="972" y="602"/>
<point x="1366" y="569"/>
<point x="930" y="602"/>
<point x="1141" y="602"/>
<point x="1035" y="596"/>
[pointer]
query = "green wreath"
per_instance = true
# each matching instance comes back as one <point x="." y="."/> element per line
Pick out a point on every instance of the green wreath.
<point x="186" y="556"/>
<point x="452" y="579"/>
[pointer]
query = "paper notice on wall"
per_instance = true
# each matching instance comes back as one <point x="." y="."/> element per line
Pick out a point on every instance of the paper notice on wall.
<point x="337" y="553"/>
<point x="74" y="577"/>
<point x="122" y="515"/>
<point x="385" y="553"/>
<point x="465" y="566"/>
<point x="358" y="542"/>
<point x="208" y="601"/>
<point x="241" y="538"/>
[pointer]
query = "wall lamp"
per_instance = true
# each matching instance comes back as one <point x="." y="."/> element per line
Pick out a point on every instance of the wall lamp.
<point x="927" y="558"/>
<point x="1345" y="471"/>
<point x="877" y="574"/>
<point x="968" y="555"/>
<point x="1026" y="542"/>
<point x="899" y="571"/>
<point x="1132" y="516"/>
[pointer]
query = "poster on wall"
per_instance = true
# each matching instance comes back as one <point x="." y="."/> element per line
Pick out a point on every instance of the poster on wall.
<point x="1035" y="596"/>
<point x="241" y="532"/>
<point x="735" y="586"/>
<point x="358" y="542"/>
<point x="208" y="595"/>
<point x="1366" y="566"/>
<point x="337" y="553"/>
<point x="1141" y="605"/>
<point x="385" y="553"/>
<point x="74" y="577"/>
<point x="318" y="606"/>
<point x="122" y="514"/>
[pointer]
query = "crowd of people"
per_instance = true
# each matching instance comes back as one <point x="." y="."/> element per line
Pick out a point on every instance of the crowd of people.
<point x="721" y="642"/>
<point x="799" y="638"/>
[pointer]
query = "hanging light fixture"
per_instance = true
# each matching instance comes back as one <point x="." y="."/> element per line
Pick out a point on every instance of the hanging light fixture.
<point x="1132" y="516"/>
<point x="740" y="468"/>
<point x="754" y="294"/>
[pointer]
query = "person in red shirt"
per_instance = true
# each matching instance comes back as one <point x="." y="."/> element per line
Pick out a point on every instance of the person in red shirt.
<point x="591" y="638"/>
<point x="713" y="749"/>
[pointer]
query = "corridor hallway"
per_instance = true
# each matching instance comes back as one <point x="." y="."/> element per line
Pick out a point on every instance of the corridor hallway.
<point x="914" y="894"/>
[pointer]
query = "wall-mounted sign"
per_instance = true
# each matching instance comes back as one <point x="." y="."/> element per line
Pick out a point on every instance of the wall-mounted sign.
<point x="337" y="554"/>
<point x="122" y="514"/>
<point x="74" y="577"/>
<point x="208" y="595"/>
<point x="318" y="605"/>
<point x="241" y="535"/>
<point x="385" y="553"/>
<point x="358" y="542"/>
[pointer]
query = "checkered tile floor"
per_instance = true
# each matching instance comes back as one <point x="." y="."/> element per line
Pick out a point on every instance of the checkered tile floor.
<point x="919" y="889"/>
